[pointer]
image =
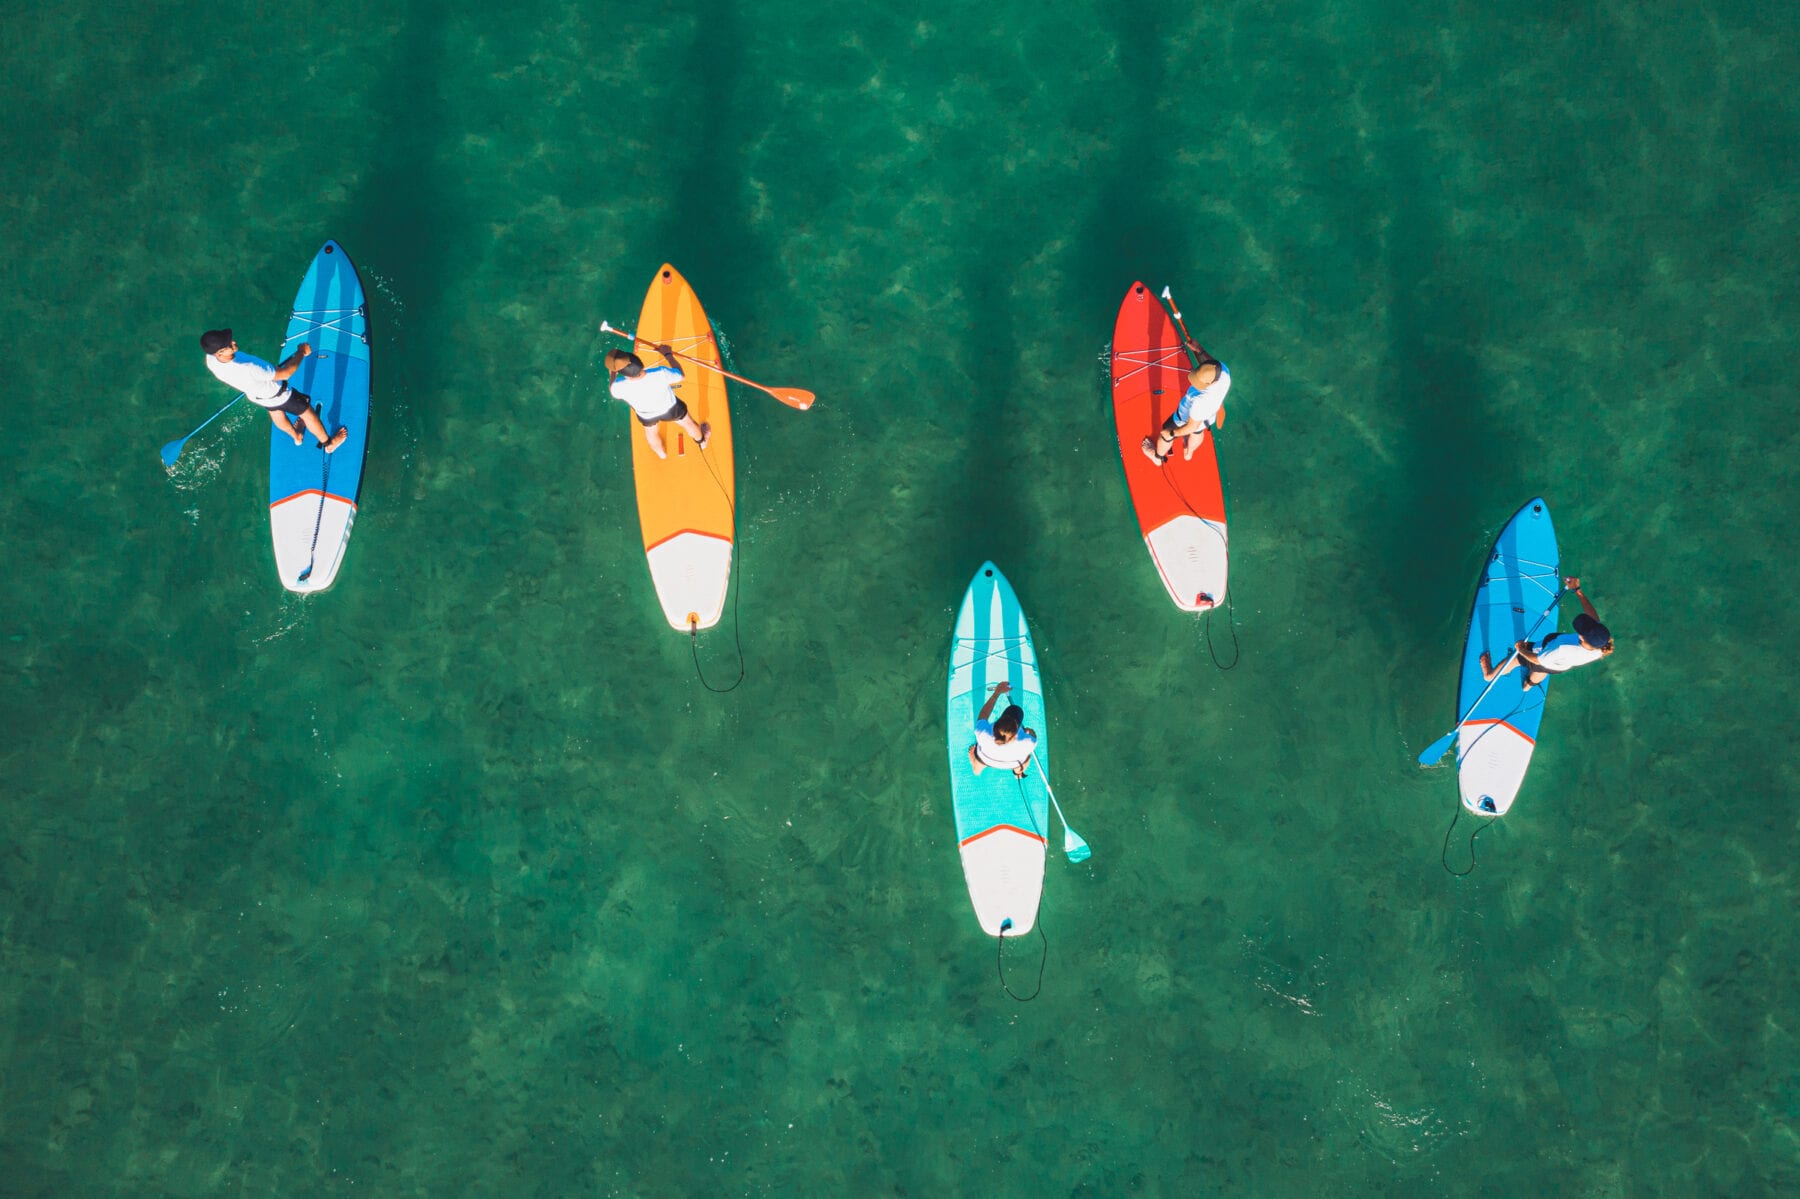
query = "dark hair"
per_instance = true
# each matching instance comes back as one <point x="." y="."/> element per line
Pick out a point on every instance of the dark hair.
<point x="214" y="340"/>
<point x="1010" y="720"/>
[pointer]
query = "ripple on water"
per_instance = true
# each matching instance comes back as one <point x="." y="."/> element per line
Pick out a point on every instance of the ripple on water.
<point x="1393" y="1121"/>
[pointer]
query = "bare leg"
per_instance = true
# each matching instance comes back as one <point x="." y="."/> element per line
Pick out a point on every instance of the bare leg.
<point x="1154" y="449"/>
<point x="655" y="440"/>
<point x="1193" y="444"/>
<point x="700" y="433"/>
<point x="286" y="426"/>
<point x="1533" y="678"/>
<point x="317" y="427"/>
<point x="976" y="762"/>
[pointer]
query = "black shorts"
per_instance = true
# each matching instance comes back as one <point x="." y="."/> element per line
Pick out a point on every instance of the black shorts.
<point x="296" y="403"/>
<point x="1169" y="426"/>
<point x="673" y="414"/>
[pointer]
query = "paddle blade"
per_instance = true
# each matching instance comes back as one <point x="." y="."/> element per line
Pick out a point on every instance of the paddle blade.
<point x="172" y="451"/>
<point x="1438" y="748"/>
<point x="1074" y="846"/>
<point x="793" y="397"/>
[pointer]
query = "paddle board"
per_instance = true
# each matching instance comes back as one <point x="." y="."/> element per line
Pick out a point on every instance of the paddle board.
<point x="1000" y="823"/>
<point x="1517" y="599"/>
<point x="685" y="501"/>
<point x="312" y="494"/>
<point x="1180" y="504"/>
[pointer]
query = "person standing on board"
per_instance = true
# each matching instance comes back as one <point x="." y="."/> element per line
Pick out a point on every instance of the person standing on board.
<point x="1558" y="652"/>
<point x="266" y="386"/>
<point x="651" y="394"/>
<point x="1201" y="408"/>
<point x="1002" y="744"/>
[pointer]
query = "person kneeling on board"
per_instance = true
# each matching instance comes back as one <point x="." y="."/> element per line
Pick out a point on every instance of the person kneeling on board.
<point x="266" y="386"/>
<point x="1002" y="744"/>
<point x="1558" y="652"/>
<point x="651" y="394"/>
<point x="1202" y="407"/>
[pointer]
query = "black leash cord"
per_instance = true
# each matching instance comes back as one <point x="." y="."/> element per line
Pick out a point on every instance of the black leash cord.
<point x="1000" y="963"/>
<point x="737" y="590"/>
<point x="1231" y="616"/>
<point x="1444" y="854"/>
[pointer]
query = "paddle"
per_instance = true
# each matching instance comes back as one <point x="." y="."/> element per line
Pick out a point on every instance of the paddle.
<point x="1436" y="749"/>
<point x="1169" y="299"/>
<point x="793" y="397"/>
<point x="1176" y="313"/>
<point x="1073" y="845"/>
<point x="172" y="451"/>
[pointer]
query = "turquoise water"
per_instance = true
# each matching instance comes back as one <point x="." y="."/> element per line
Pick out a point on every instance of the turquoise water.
<point x="454" y="881"/>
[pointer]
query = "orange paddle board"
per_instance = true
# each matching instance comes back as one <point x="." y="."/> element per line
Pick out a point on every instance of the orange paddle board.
<point x="686" y="501"/>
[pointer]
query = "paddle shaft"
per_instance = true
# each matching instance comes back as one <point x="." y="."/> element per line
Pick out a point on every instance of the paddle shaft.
<point x="790" y="396"/>
<point x="1067" y="831"/>
<point x="170" y="458"/>
<point x="1175" y="312"/>
<point x="1436" y="749"/>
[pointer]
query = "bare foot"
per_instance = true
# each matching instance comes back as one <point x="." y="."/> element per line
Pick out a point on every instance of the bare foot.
<point x="338" y="439"/>
<point x="1193" y="446"/>
<point x="705" y="435"/>
<point x="1149" y="448"/>
<point x="299" y="436"/>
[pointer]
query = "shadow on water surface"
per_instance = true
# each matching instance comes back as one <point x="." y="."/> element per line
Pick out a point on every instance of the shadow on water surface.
<point x="705" y="233"/>
<point x="402" y="226"/>
<point x="1454" y="449"/>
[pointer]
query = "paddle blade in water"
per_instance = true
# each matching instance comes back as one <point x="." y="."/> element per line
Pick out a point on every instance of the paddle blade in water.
<point x="1075" y="847"/>
<point x="793" y="397"/>
<point x="172" y="451"/>
<point x="1438" y="748"/>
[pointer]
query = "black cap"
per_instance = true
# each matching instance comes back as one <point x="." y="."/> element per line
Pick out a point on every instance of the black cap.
<point x="1592" y="632"/>
<point x="214" y="340"/>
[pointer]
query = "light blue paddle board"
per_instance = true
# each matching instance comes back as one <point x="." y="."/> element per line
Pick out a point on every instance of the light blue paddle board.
<point x="1001" y="822"/>
<point x="1517" y="599"/>
<point x="312" y="494"/>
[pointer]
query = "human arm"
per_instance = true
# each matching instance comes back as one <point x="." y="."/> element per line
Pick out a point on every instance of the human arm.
<point x="669" y="357"/>
<point x="1024" y="736"/>
<point x="287" y="368"/>
<point x="987" y="709"/>
<point x="1587" y="605"/>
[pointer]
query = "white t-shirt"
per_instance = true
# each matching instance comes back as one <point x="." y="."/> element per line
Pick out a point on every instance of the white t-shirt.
<point x="1203" y="403"/>
<point x="650" y="394"/>
<point x="1565" y="652"/>
<point x="992" y="753"/>
<point x="252" y="376"/>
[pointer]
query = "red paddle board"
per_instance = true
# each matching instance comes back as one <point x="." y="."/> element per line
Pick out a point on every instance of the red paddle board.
<point x="1180" y="504"/>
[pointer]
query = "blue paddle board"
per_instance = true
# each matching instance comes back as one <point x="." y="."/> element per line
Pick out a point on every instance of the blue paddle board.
<point x="312" y="494"/>
<point x="1001" y="822"/>
<point x="1517" y="599"/>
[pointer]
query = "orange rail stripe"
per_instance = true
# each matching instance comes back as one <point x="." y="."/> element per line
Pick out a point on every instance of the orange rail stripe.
<point x="1469" y="724"/>
<point x="300" y="495"/>
<point x="685" y="532"/>
<point x="1006" y="828"/>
